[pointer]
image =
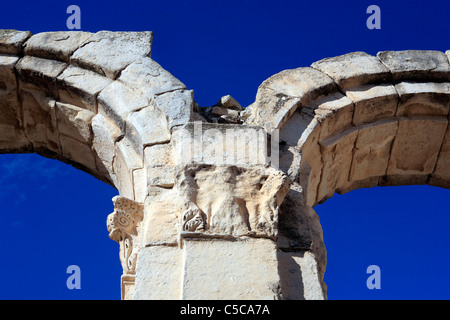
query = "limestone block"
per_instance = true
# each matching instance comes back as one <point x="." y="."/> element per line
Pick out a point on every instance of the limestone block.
<point x="117" y="101"/>
<point x="423" y="98"/>
<point x="353" y="69"/>
<point x="372" y="149"/>
<point x="228" y="200"/>
<point x="105" y="134"/>
<point x="441" y="173"/>
<point x="242" y="269"/>
<point x="403" y="180"/>
<point x="126" y="160"/>
<point x="221" y="144"/>
<point x="55" y="45"/>
<point x="337" y="159"/>
<point x="74" y="122"/>
<point x="161" y="222"/>
<point x="78" y="152"/>
<point x="11" y="41"/>
<point x="299" y="276"/>
<point x="335" y="113"/>
<point x="7" y="76"/>
<point x="373" y="102"/>
<point x="119" y="49"/>
<point x="160" y="165"/>
<point x="140" y="184"/>
<point x="159" y="273"/>
<point x="40" y="120"/>
<point x="416" y="146"/>
<point x="177" y="106"/>
<point x="294" y="232"/>
<point x="416" y="65"/>
<point x="279" y="96"/>
<point x="80" y="87"/>
<point x="151" y="78"/>
<point x="40" y="72"/>
<point x="228" y="102"/>
<point x="147" y="126"/>
<point x="358" y="184"/>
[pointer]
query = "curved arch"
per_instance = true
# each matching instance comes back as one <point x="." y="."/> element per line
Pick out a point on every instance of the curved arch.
<point x="358" y="121"/>
<point x="94" y="100"/>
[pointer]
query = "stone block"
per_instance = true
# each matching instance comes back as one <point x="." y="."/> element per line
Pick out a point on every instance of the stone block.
<point x="373" y="102"/>
<point x="55" y="45"/>
<point x="74" y="122"/>
<point x="337" y="158"/>
<point x="80" y="87"/>
<point x="416" y="146"/>
<point x="218" y="269"/>
<point x="441" y="173"/>
<point x="177" y="106"/>
<point x="372" y="149"/>
<point x="11" y="41"/>
<point x="160" y="165"/>
<point x="353" y="69"/>
<point x="152" y="78"/>
<point x="78" y="152"/>
<point x="423" y="98"/>
<point x="416" y="65"/>
<point x="119" y="49"/>
<point x="159" y="273"/>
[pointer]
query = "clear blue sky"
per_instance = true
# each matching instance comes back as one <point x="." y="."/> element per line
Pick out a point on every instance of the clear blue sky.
<point x="54" y="216"/>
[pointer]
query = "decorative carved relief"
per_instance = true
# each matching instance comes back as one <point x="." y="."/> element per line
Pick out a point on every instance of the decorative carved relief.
<point x="123" y="226"/>
<point x="231" y="200"/>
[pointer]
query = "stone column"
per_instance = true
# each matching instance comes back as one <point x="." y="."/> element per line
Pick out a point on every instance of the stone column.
<point x="211" y="225"/>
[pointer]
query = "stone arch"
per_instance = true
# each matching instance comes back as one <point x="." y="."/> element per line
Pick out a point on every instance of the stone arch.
<point x="356" y="121"/>
<point x="94" y="100"/>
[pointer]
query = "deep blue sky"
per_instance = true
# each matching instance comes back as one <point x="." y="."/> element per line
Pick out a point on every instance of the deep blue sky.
<point x="54" y="216"/>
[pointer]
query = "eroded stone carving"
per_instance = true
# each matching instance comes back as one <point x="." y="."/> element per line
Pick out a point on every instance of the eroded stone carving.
<point x="230" y="200"/>
<point x="123" y="226"/>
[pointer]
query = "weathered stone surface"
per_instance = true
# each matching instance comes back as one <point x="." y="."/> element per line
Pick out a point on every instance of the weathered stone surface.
<point x="177" y="106"/>
<point x="337" y="160"/>
<point x="74" y="122"/>
<point x="40" y="72"/>
<point x="160" y="165"/>
<point x="105" y="134"/>
<point x="116" y="102"/>
<point x="441" y="173"/>
<point x="119" y="49"/>
<point x="334" y="113"/>
<point x="299" y="276"/>
<point x="416" y="145"/>
<point x="161" y="222"/>
<point x="279" y="96"/>
<point x="7" y="76"/>
<point x="147" y="78"/>
<point x="423" y="98"/>
<point x="11" y="41"/>
<point x="148" y="126"/>
<point x="353" y="69"/>
<point x="231" y="200"/>
<point x="78" y="152"/>
<point x="80" y="87"/>
<point x="158" y="273"/>
<point x="416" y="65"/>
<point x="372" y="149"/>
<point x="235" y="265"/>
<point x="220" y="144"/>
<point x="228" y="102"/>
<point x="55" y="45"/>
<point x="373" y="102"/>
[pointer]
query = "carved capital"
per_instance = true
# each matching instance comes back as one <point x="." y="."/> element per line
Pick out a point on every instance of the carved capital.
<point x="123" y="226"/>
